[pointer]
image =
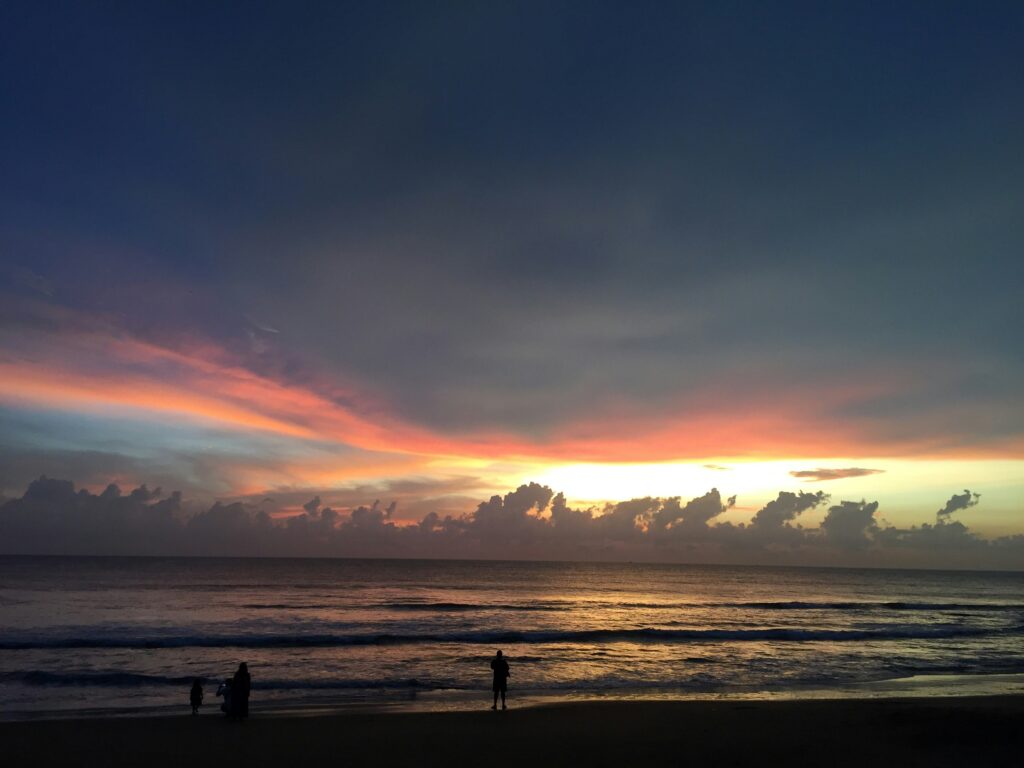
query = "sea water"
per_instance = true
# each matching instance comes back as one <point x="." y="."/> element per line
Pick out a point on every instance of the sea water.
<point x="128" y="635"/>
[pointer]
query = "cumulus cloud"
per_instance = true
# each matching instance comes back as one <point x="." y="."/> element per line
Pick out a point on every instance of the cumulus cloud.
<point x="783" y="509"/>
<point x="850" y="524"/>
<point x="513" y="517"/>
<point x="674" y="520"/>
<point x="532" y="521"/>
<point x="822" y="473"/>
<point x="416" y="497"/>
<point x="222" y="528"/>
<point x="947" y="537"/>
<point x="957" y="502"/>
<point x="53" y="518"/>
<point x="372" y="517"/>
<point x="941" y="537"/>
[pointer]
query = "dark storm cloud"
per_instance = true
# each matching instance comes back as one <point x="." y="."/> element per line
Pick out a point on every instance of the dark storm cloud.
<point x="812" y="475"/>
<point x="52" y="517"/>
<point x="505" y="217"/>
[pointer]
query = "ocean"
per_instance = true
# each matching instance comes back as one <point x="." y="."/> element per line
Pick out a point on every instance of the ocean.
<point x="82" y="636"/>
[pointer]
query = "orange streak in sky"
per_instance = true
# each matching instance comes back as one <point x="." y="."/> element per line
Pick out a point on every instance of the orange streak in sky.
<point x="72" y="370"/>
<point x="48" y="388"/>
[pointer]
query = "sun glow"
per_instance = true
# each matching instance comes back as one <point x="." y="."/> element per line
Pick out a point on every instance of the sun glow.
<point x="625" y="481"/>
<point x="904" y="483"/>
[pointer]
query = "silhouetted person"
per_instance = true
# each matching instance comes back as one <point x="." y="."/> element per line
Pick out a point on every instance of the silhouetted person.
<point x="501" y="675"/>
<point x="240" y="685"/>
<point x="195" y="696"/>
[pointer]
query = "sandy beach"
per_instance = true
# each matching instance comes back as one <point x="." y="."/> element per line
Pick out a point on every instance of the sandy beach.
<point x="904" y="732"/>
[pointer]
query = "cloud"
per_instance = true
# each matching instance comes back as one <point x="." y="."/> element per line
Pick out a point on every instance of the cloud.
<point x="259" y="335"/>
<point x="531" y="264"/>
<point x="821" y="474"/>
<point x="531" y="522"/>
<point x="946" y="535"/>
<point x="691" y="520"/>
<point x="26" y="278"/>
<point x="850" y="524"/>
<point x="52" y="517"/>
<point x="956" y="503"/>
<point x="513" y="517"/>
<point x="783" y="509"/>
<point x="259" y="325"/>
<point x="943" y="537"/>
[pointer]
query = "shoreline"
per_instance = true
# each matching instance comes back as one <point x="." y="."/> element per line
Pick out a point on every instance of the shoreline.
<point x="911" y="688"/>
<point x="908" y="732"/>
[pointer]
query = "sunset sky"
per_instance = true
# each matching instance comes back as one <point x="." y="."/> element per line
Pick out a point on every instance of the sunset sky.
<point x="428" y="253"/>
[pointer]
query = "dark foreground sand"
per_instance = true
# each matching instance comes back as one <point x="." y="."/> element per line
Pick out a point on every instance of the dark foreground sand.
<point x="908" y="732"/>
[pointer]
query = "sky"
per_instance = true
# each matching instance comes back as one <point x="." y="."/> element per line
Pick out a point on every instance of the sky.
<point x="404" y="260"/>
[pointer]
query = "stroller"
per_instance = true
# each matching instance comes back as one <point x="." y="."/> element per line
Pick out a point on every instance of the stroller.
<point x="224" y="689"/>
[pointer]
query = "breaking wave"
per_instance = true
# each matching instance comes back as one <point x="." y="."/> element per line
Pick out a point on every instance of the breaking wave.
<point x="646" y="634"/>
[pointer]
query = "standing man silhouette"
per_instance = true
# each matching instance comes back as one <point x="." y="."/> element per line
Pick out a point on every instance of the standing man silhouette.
<point x="501" y="675"/>
<point x="240" y="686"/>
<point x="195" y="696"/>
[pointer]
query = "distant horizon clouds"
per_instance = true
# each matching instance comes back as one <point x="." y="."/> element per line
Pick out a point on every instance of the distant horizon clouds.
<point x="531" y="522"/>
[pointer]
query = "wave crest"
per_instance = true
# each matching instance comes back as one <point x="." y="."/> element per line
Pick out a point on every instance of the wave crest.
<point x="645" y="634"/>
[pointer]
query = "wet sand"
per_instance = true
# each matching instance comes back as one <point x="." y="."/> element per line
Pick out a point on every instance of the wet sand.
<point x="901" y="732"/>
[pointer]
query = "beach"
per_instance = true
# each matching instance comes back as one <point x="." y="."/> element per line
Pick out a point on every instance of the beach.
<point x="955" y="731"/>
<point x="383" y="663"/>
